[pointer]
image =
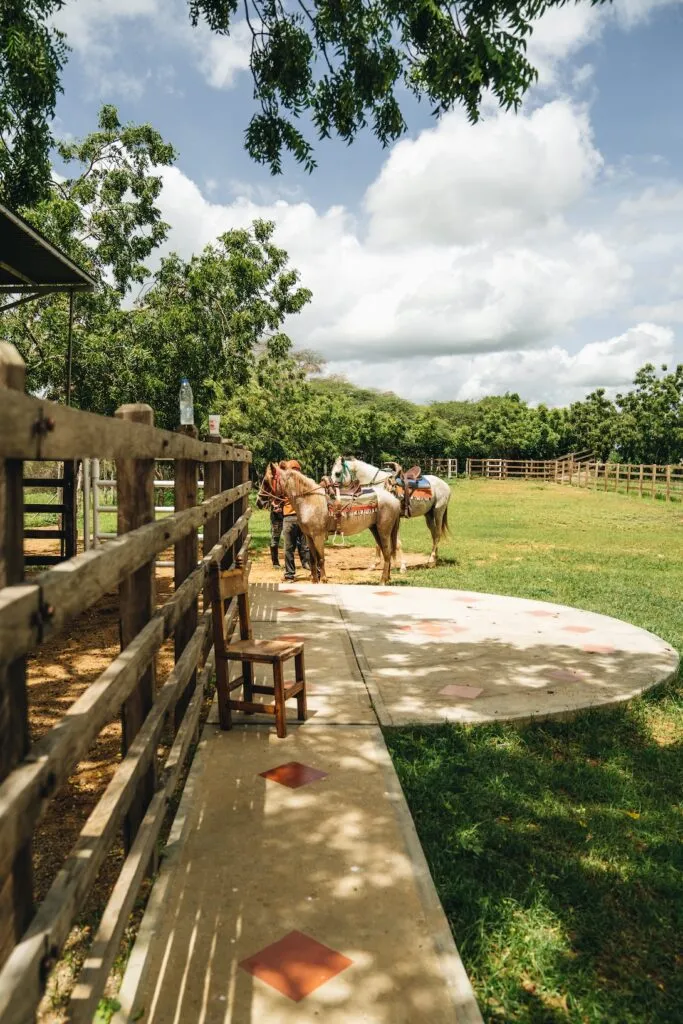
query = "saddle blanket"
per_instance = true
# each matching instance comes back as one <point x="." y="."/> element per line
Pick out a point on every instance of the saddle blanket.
<point x="351" y="505"/>
<point x="422" y="484"/>
<point x="420" y="490"/>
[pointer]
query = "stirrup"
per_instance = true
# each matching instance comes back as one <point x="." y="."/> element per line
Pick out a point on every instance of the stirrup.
<point x="343" y="543"/>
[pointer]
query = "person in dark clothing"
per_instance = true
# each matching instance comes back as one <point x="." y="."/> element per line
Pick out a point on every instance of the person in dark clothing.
<point x="276" y="521"/>
<point x="294" y="538"/>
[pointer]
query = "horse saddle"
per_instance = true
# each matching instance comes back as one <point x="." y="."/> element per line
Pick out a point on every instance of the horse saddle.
<point x="361" y="502"/>
<point x="412" y="485"/>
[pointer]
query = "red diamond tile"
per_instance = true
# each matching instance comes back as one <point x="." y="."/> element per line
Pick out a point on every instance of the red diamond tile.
<point x="599" y="649"/>
<point x="468" y="692"/>
<point x="386" y="593"/>
<point x="292" y="637"/>
<point x="290" y="608"/>
<point x="577" y="629"/>
<point x="541" y="614"/>
<point x="467" y="600"/>
<point x="293" y="774"/>
<point x="437" y="627"/>
<point x="565" y="675"/>
<point x="296" y="965"/>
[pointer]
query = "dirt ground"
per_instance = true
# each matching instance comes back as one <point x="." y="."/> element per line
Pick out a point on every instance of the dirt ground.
<point x="343" y="565"/>
<point x="58" y="673"/>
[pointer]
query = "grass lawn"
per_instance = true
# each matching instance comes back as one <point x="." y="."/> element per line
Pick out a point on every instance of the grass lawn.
<point x="556" y="849"/>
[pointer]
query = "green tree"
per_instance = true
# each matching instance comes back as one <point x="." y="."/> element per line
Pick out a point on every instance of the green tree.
<point x="650" y="424"/>
<point x="105" y="217"/>
<point x="592" y="425"/>
<point x="32" y="56"/>
<point x="345" y="64"/>
<point x="212" y="317"/>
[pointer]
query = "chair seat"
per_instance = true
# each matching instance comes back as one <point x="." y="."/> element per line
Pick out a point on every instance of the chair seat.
<point x="264" y="651"/>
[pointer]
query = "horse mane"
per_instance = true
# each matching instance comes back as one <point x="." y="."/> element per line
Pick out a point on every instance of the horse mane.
<point x="301" y="484"/>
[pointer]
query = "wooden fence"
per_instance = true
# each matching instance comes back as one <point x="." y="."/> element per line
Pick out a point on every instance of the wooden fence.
<point x="440" y="467"/>
<point x="41" y="606"/>
<point x="663" y="482"/>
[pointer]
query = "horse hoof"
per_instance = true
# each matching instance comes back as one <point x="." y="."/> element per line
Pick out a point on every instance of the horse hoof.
<point x="403" y="569"/>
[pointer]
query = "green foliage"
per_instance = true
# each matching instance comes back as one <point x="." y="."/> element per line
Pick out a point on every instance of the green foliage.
<point x="349" y="64"/>
<point x="345" y="64"/>
<point x="106" y="218"/>
<point x="217" y="319"/>
<point x="32" y="56"/>
<point x="651" y="417"/>
<point x="555" y="847"/>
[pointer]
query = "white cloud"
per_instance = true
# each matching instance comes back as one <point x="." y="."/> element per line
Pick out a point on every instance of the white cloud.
<point x="456" y="184"/>
<point x="506" y="273"/>
<point x="94" y="31"/>
<point x="89" y="23"/>
<point x="221" y="58"/>
<point x="664" y="198"/>
<point x="552" y="375"/>
<point x="559" y="34"/>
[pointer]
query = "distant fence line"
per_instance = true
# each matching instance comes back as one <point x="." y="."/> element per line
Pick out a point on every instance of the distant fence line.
<point x="653" y="481"/>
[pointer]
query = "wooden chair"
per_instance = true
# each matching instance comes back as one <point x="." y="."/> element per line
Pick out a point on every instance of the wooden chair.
<point x="248" y="651"/>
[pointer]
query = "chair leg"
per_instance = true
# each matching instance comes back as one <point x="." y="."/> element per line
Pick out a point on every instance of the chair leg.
<point x="223" y="694"/>
<point x="248" y="677"/>
<point x="300" y="677"/>
<point x="280" y="717"/>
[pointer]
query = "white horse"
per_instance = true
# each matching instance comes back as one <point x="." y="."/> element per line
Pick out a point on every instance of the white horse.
<point x="435" y="509"/>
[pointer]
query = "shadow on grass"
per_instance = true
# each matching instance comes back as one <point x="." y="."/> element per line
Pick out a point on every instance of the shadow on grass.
<point x="556" y="853"/>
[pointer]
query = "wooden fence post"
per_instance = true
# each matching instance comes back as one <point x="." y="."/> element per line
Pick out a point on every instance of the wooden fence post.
<point x="244" y="478"/>
<point x="653" y="481"/>
<point x="228" y="515"/>
<point x="640" y="481"/>
<point x="212" y="487"/>
<point x="16" y="891"/>
<point x="135" y="500"/>
<point x="70" y="502"/>
<point x="628" y="478"/>
<point x="616" y="477"/>
<point x="185" y="562"/>
<point x="668" y="483"/>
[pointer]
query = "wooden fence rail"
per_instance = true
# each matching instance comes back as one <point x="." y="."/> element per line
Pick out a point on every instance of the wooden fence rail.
<point x="137" y="796"/>
<point x="653" y="481"/>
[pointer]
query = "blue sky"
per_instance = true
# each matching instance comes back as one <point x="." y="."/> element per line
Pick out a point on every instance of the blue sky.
<point x="541" y="252"/>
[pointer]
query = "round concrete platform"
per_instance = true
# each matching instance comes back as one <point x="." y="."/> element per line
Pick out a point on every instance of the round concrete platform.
<point x="432" y="655"/>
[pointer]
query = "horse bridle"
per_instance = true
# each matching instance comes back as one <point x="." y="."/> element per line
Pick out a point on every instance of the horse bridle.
<point x="276" y="495"/>
<point x="275" y="500"/>
<point x="353" y="475"/>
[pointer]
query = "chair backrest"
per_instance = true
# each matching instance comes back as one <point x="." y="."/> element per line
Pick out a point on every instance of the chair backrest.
<point x="225" y="584"/>
<point x="233" y="582"/>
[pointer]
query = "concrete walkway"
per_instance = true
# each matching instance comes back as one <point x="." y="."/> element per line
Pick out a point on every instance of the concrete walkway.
<point x="294" y="887"/>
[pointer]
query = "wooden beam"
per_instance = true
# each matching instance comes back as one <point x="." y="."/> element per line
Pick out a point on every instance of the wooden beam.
<point x="135" y="501"/>
<point x="30" y="613"/>
<point x="16" y="884"/>
<point x="23" y="977"/>
<point x="32" y="428"/>
<point x="26" y="793"/>
<point x="184" y="563"/>
<point x="105" y="947"/>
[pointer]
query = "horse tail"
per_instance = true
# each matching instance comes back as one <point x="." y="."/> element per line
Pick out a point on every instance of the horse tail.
<point x="445" y="532"/>
<point x="394" y="536"/>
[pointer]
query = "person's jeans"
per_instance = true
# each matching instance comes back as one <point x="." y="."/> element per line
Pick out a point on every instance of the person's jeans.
<point x="294" y="540"/>
<point x="275" y="528"/>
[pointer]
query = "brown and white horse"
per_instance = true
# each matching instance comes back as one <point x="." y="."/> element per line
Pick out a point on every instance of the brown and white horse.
<point x="318" y="518"/>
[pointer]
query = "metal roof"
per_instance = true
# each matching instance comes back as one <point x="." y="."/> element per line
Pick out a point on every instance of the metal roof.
<point x="30" y="263"/>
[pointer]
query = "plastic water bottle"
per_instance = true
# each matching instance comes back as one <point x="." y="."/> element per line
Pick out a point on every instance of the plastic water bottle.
<point x="186" y="404"/>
